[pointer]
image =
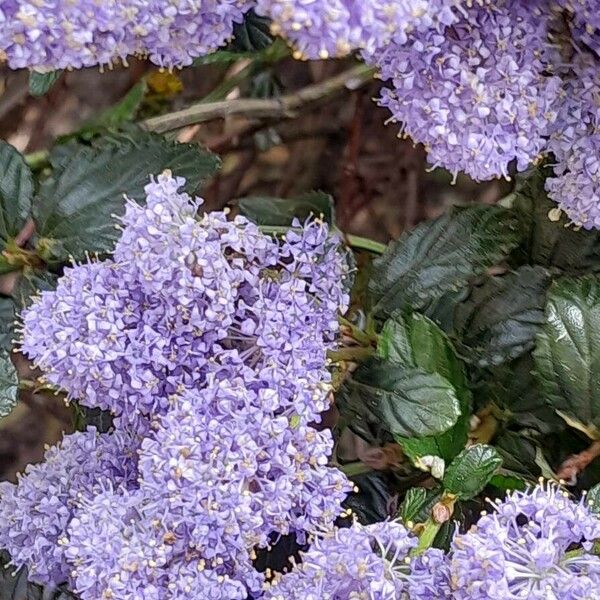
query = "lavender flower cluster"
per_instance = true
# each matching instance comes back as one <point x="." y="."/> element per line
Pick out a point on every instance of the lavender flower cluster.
<point x="535" y="545"/>
<point x="483" y="85"/>
<point x="60" y="34"/>
<point x="207" y="341"/>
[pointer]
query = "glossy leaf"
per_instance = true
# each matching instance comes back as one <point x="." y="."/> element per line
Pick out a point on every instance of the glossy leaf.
<point x="41" y="83"/>
<point x="567" y="356"/>
<point x="407" y="402"/>
<point x="417" y="504"/>
<point x="9" y="384"/>
<point x="266" y="210"/>
<point x="593" y="499"/>
<point x="471" y="471"/>
<point x="440" y="256"/>
<point x="75" y="206"/>
<point x="413" y="340"/>
<point x="16" y="191"/>
<point x="501" y="318"/>
<point x="7" y="322"/>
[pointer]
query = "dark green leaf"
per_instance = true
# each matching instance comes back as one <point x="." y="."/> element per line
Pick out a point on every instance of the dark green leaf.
<point x="265" y="210"/>
<point x="407" y="402"/>
<point x="552" y="243"/>
<point x="40" y="83"/>
<point x="508" y="483"/>
<point x="31" y="284"/>
<point x="418" y="504"/>
<point x="501" y="318"/>
<point x="7" y="322"/>
<point x="16" y="191"/>
<point x="440" y="256"/>
<point x="471" y="471"/>
<point x="9" y="384"/>
<point x="74" y="208"/>
<point x="567" y="356"/>
<point x="414" y="341"/>
<point x="375" y="500"/>
<point x="253" y="34"/>
<point x="593" y="499"/>
<point x="518" y="453"/>
<point x="514" y="389"/>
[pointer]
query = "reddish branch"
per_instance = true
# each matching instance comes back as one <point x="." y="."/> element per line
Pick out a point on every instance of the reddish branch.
<point x="577" y="463"/>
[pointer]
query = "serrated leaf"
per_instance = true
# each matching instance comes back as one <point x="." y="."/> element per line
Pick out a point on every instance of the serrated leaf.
<point x="7" y="322"/>
<point x="592" y="499"/>
<point x="277" y="212"/>
<point x="75" y="205"/>
<point x="16" y="191"/>
<point x="407" y="402"/>
<point x="500" y="319"/>
<point x="441" y="255"/>
<point x="471" y="471"/>
<point x="514" y="389"/>
<point x="9" y="384"/>
<point x="32" y="283"/>
<point x="519" y="453"/>
<point x="567" y="355"/>
<point x="41" y="83"/>
<point x="413" y="340"/>
<point x="418" y="504"/>
<point x="552" y="243"/>
<point x="253" y="34"/>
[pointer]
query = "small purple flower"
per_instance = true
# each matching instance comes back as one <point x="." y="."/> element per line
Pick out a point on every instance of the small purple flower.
<point x="534" y="545"/>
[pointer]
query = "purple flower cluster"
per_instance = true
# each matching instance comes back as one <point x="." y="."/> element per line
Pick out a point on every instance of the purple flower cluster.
<point x="320" y="29"/>
<point x="475" y="95"/>
<point x="59" y="34"/>
<point x="207" y="340"/>
<point x="575" y="143"/>
<point x="363" y="562"/>
<point x="585" y="21"/>
<point x="535" y="545"/>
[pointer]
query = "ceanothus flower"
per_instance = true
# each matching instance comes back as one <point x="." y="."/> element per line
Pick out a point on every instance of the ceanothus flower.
<point x="586" y="21"/>
<point x="476" y="95"/>
<point x="534" y="546"/>
<point x="320" y="30"/>
<point x="575" y="143"/>
<point x="62" y="34"/>
<point x="363" y="562"/>
<point x="36" y="511"/>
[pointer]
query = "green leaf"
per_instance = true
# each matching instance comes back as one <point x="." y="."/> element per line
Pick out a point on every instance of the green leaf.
<point x="552" y="243"/>
<point x="440" y="256"/>
<point x="501" y="318"/>
<point x="253" y="34"/>
<point x="519" y="453"/>
<point x="40" y="83"/>
<point x="375" y="497"/>
<point x="278" y="212"/>
<point x="414" y="341"/>
<point x="16" y="191"/>
<point x="418" y="504"/>
<point x="407" y="402"/>
<point x="32" y="283"/>
<point x="567" y="356"/>
<point x="592" y="499"/>
<point x="508" y="483"/>
<point x="75" y="205"/>
<point x="471" y="471"/>
<point x="9" y="384"/>
<point x="7" y="322"/>
<point x="514" y="389"/>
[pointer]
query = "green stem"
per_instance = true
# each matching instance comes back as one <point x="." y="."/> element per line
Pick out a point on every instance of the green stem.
<point x="427" y="537"/>
<point x="357" y="333"/>
<point x="355" y="468"/>
<point x="361" y="243"/>
<point x="354" y="354"/>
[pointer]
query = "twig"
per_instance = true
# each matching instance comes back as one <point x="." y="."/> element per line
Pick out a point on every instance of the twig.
<point x="576" y="463"/>
<point x="26" y="232"/>
<point x="14" y="94"/>
<point x="285" y="106"/>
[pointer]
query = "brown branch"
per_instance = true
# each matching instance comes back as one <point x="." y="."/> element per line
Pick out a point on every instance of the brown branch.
<point x="26" y="232"/>
<point x="576" y="463"/>
<point x="286" y="106"/>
